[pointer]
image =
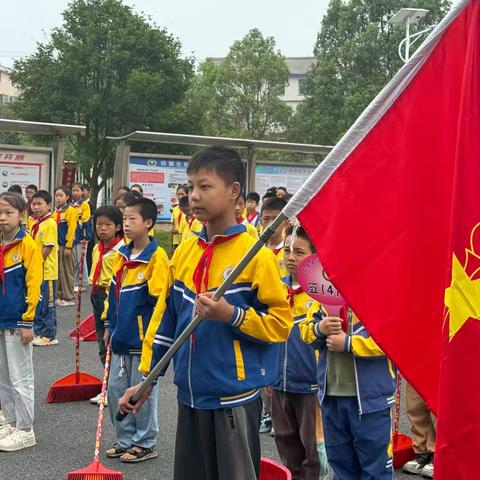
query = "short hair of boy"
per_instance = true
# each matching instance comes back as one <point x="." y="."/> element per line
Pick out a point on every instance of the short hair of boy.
<point x="146" y="207"/>
<point x="274" y="204"/>
<point x="300" y="233"/>
<point x="112" y="213"/>
<point x="32" y="187"/>
<point x="137" y="186"/>
<point x="43" y="194"/>
<point x="86" y="187"/>
<point x="15" y="189"/>
<point x="224" y="161"/>
<point x="254" y="197"/>
<point x="184" y="202"/>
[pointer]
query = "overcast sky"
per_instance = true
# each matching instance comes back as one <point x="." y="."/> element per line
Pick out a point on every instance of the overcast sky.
<point x="206" y="28"/>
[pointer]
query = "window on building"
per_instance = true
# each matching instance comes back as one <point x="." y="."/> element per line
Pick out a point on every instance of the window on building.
<point x="302" y="86"/>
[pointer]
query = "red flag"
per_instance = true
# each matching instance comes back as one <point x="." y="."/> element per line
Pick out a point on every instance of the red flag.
<point x="390" y="209"/>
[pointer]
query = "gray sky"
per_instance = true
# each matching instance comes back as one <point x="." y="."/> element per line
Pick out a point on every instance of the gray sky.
<point x="205" y="27"/>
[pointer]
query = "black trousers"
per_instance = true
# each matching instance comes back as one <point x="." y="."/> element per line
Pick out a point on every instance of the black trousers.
<point x="221" y="444"/>
<point x="98" y="301"/>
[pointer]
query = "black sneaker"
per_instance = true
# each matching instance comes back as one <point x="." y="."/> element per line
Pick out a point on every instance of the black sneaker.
<point x="416" y="466"/>
<point x="266" y="423"/>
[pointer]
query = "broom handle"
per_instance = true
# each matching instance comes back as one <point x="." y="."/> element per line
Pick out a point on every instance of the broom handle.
<point x="397" y="409"/>
<point x="77" y="317"/>
<point x="154" y="373"/>
<point x="96" y="459"/>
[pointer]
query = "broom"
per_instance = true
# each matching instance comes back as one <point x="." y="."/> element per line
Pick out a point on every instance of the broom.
<point x="76" y="386"/>
<point x="96" y="471"/>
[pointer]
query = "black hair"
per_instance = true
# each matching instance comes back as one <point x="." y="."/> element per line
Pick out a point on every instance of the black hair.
<point x="283" y="188"/>
<point x="224" y="161"/>
<point x="111" y="212"/>
<point x="65" y="190"/>
<point x="129" y="196"/>
<point x="271" y="190"/>
<point x="146" y="207"/>
<point x="47" y="196"/>
<point x="32" y="187"/>
<point x="124" y="187"/>
<point x="254" y="196"/>
<point x="77" y="184"/>
<point x="182" y="187"/>
<point x="274" y="203"/>
<point x="15" y="200"/>
<point x="268" y="195"/>
<point x="15" y="189"/>
<point x="301" y="233"/>
<point x="184" y="202"/>
<point x="86" y="186"/>
<point x="140" y="188"/>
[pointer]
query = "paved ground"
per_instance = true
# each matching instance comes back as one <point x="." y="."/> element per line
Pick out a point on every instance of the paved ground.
<point x="66" y="432"/>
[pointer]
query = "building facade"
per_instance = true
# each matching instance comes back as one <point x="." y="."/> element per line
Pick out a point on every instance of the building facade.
<point x="7" y="91"/>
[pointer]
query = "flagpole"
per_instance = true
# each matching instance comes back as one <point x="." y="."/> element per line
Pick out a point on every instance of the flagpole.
<point x="163" y="363"/>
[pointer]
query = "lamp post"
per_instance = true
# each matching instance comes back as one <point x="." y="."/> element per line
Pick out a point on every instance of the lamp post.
<point x="408" y="17"/>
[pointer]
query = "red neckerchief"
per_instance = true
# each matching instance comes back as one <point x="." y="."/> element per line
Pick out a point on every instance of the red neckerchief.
<point x="190" y="222"/>
<point x="276" y="251"/>
<point x="119" y="275"/>
<point x="239" y="220"/>
<point x="38" y="221"/>
<point x="179" y="219"/>
<point x="102" y="250"/>
<point x="292" y="292"/>
<point x="251" y="218"/>
<point x="3" y="250"/>
<point x="59" y="211"/>
<point x="200" y="275"/>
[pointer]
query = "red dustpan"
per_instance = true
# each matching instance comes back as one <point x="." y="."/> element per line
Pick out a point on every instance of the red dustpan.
<point x="76" y="386"/>
<point x="270" y="470"/>
<point x="86" y="330"/>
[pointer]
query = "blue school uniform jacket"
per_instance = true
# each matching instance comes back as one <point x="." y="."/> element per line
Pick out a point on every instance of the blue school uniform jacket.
<point x="128" y="317"/>
<point x="23" y="270"/>
<point x="223" y="364"/>
<point x="375" y="374"/>
<point x="297" y="362"/>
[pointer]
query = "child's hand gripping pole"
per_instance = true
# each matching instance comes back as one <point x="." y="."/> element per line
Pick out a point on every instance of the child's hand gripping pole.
<point x="161" y="365"/>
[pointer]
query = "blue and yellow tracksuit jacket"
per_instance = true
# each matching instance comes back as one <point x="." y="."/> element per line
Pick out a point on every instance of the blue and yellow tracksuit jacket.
<point x="297" y="363"/>
<point x="66" y="218"/>
<point x="129" y="318"/>
<point x="23" y="269"/>
<point x="223" y="364"/>
<point x="84" y="228"/>
<point x="374" y="373"/>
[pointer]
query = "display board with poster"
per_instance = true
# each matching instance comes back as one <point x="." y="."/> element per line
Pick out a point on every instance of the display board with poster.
<point x="24" y="166"/>
<point x="277" y="175"/>
<point x="159" y="176"/>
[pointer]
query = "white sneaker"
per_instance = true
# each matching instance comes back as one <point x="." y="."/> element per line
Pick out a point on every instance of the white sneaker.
<point x="96" y="399"/>
<point x="6" y="429"/>
<point x="417" y="465"/>
<point x="18" y="440"/>
<point x="65" y="303"/>
<point x="75" y="289"/>
<point x="427" y="471"/>
<point x="44" y="341"/>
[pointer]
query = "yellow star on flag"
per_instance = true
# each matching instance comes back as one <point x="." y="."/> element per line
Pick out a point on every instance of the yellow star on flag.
<point x="462" y="298"/>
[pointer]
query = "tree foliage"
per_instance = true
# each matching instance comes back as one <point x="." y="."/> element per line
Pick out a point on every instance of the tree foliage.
<point x="107" y="68"/>
<point x="238" y="96"/>
<point x="356" y="55"/>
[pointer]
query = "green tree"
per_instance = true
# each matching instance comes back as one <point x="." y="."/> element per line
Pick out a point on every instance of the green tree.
<point x="109" y="69"/>
<point x="239" y="95"/>
<point x="356" y="55"/>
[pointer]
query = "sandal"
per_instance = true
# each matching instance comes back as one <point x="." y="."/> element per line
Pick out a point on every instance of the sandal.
<point x="118" y="451"/>
<point x="139" y="456"/>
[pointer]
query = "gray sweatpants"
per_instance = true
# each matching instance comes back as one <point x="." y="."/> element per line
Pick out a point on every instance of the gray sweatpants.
<point x="221" y="444"/>
<point x="16" y="379"/>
